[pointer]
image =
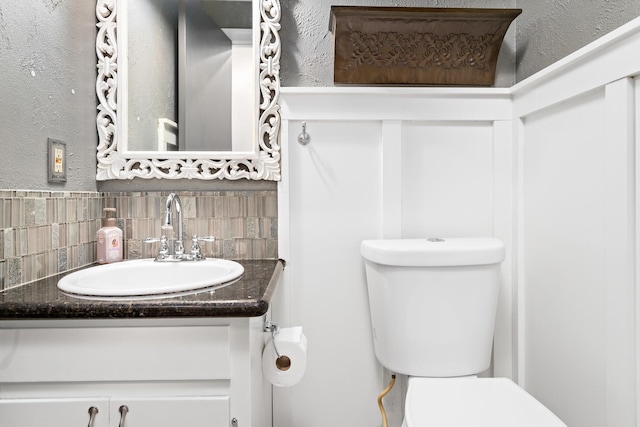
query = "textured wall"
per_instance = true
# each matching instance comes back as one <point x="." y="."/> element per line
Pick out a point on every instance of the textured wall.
<point x="47" y="63"/>
<point x="47" y="89"/>
<point x="549" y="30"/>
<point x="307" y="53"/>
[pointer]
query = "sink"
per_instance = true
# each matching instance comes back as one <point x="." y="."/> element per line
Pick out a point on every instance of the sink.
<point x="146" y="278"/>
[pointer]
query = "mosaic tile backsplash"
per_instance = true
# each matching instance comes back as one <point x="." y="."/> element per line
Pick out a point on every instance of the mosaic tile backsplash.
<point x="44" y="233"/>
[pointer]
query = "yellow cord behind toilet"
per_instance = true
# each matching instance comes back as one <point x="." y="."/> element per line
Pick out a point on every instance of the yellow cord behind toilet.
<point x="382" y="394"/>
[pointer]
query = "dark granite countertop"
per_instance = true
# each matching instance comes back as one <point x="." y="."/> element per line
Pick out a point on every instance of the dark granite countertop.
<point x="248" y="297"/>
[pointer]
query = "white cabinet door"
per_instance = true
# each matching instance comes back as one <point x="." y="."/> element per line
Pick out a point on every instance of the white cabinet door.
<point x="206" y="411"/>
<point x="54" y="412"/>
<point x="201" y="411"/>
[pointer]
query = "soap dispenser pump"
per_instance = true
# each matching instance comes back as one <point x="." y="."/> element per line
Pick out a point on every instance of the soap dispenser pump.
<point x="109" y="238"/>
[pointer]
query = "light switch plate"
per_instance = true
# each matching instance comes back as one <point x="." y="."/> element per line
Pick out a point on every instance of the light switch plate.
<point x="57" y="160"/>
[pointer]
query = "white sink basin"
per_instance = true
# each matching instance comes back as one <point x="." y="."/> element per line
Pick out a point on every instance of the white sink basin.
<point x="146" y="278"/>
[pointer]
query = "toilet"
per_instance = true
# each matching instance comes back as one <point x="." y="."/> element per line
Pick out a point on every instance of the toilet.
<point x="433" y="306"/>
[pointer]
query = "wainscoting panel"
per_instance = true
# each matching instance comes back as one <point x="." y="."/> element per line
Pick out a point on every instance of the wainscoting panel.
<point x="577" y="286"/>
<point x="372" y="176"/>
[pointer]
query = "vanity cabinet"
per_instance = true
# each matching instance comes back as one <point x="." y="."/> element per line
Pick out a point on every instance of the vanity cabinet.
<point x="181" y="372"/>
<point x="116" y="412"/>
<point x="54" y="412"/>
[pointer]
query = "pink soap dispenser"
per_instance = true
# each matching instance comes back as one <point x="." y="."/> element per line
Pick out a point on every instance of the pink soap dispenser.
<point x="109" y="238"/>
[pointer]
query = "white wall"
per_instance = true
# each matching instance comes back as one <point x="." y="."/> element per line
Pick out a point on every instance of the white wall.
<point x="329" y="216"/>
<point x="564" y="250"/>
<point x="381" y="163"/>
<point x="549" y="166"/>
<point x="577" y="325"/>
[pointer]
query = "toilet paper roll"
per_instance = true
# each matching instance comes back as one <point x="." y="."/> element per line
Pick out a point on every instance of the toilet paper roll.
<point x="289" y="369"/>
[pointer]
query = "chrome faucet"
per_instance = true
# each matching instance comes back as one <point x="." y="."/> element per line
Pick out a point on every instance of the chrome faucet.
<point x="174" y="200"/>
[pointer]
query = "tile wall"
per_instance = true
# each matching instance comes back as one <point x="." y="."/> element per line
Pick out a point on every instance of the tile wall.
<point x="43" y="233"/>
<point x="244" y="223"/>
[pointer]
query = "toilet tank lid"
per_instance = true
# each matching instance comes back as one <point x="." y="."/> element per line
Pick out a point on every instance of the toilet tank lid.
<point x="434" y="252"/>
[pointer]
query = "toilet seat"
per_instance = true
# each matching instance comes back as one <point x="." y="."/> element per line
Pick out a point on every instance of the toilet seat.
<point x="473" y="402"/>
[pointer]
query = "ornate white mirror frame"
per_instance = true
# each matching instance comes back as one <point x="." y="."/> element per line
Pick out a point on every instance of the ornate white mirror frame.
<point x="115" y="163"/>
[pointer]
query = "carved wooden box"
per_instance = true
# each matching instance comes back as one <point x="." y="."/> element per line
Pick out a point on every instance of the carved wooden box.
<point x="418" y="46"/>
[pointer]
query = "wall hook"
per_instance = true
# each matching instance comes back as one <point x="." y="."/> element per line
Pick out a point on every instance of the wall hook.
<point x="304" y="138"/>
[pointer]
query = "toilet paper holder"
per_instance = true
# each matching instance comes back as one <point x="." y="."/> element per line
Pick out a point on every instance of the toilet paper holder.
<point x="282" y="362"/>
<point x="272" y="327"/>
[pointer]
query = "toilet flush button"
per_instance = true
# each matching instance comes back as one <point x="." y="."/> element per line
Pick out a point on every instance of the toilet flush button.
<point x="435" y="239"/>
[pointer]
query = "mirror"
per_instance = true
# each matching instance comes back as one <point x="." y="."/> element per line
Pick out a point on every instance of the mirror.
<point x="160" y="112"/>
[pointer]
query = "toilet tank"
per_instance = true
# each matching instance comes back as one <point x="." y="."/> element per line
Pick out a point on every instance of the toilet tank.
<point x="433" y="303"/>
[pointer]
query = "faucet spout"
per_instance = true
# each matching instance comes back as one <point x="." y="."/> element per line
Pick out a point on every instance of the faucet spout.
<point x="173" y="204"/>
<point x="174" y="201"/>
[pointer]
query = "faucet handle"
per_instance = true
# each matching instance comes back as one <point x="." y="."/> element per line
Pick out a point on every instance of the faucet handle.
<point x="164" y="247"/>
<point x="196" y="252"/>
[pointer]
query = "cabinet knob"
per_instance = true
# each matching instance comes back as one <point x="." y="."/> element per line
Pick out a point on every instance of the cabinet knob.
<point x="234" y="422"/>
<point x="123" y="413"/>
<point x="92" y="415"/>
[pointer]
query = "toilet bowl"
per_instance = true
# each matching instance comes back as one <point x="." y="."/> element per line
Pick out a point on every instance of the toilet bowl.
<point x="473" y="402"/>
<point x="433" y="305"/>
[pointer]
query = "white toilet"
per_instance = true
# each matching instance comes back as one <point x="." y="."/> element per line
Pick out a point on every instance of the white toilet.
<point x="433" y="305"/>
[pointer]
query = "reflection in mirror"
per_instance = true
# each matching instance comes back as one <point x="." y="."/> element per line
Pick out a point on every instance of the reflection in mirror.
<point x="178" y="92"/>
<point x="190" y="75"/>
